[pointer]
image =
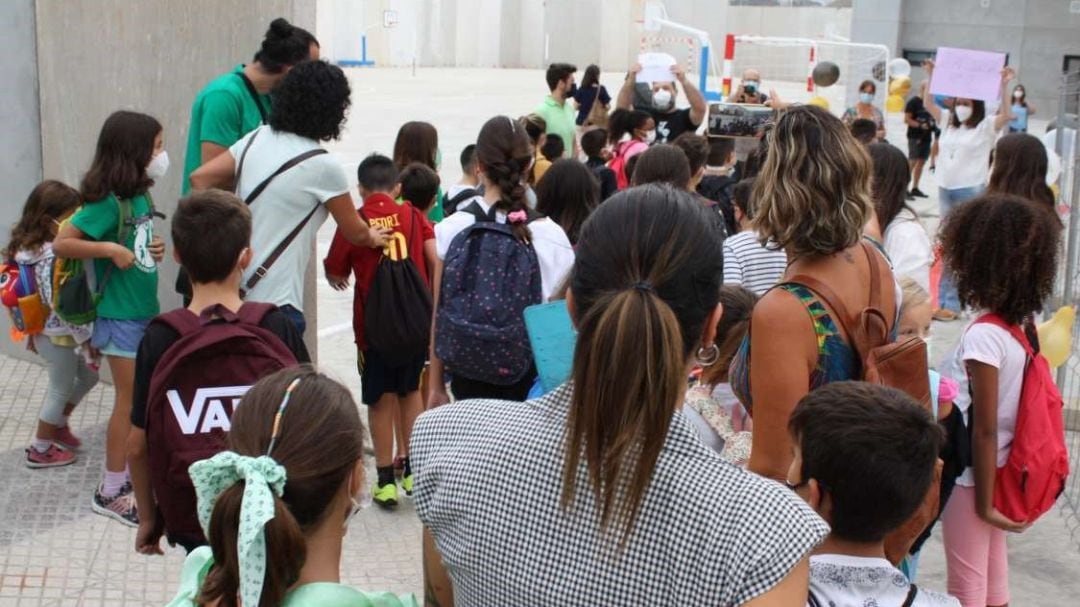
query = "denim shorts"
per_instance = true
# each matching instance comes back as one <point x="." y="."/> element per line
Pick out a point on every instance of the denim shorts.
<point x="118" y="337"/>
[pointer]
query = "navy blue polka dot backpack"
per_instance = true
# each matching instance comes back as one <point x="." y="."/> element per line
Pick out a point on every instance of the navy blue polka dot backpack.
<point x="489" y="278"/>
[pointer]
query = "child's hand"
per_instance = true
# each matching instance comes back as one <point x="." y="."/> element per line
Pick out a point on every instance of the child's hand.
<point x="999" y="520"/>
<point x="338" y="283"/>
<point x="437" y="395"/>
<point x="157" y="249"/>
<point x="122" y="256"/>
<point x="148" y="537"/>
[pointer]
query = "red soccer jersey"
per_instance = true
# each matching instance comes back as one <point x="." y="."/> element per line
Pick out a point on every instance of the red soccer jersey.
<point x="345" y="257"/>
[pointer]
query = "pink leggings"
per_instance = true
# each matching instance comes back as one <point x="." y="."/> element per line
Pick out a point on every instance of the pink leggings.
<point x="975" y="552"/>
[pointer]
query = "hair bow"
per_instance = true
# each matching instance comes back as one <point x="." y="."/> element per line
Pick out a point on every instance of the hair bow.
<point x="261" y="475"/>
<point x="519" y="216"/>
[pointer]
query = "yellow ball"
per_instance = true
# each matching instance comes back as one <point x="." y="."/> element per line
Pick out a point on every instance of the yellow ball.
<point x="900" y="85"/>
<point x="895" y="103"/>
<point x="819" y="101"/>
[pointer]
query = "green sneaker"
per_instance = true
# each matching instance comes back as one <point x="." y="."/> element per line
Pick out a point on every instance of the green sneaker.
<point x="385" y="495"/>
<point x="406" y="484"/>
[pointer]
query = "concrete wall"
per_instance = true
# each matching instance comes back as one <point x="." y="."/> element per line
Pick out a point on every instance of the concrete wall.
<point x="20" y="156"/>
<point x="1037" y="34"/>
<point x="96" y="57"/>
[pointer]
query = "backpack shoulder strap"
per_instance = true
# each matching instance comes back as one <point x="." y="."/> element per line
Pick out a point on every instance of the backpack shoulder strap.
<point x="253" y="313"/>
<point x="476" y="211"/>
<point x="123" y="225"/>
<point x="290" y="163"/>
<point x="1016" y="331"/>
<point x="829" y="297"/>
<point x="910" y="600"/>
<point x="181" y="320"/>
<point x="243" y="156"/>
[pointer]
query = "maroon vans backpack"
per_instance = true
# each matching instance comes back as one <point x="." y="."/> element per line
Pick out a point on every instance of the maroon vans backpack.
<point x="1034" y="475"/>
<point x="195" y="386"/>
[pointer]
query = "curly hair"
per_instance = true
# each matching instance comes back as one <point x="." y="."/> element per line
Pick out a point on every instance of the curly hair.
<point x="504" y="152"/>
<point x="1002" y="252"/>
<point x="813" y="192"/>
<point x="49" y="201"/>
<point x="311" y="101"/>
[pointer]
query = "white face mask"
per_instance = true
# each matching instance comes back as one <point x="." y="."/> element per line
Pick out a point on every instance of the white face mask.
<point x="159" y="165"/>
<point x="963" y="112"/>
<point x="662" y="99"/>
<point x="1018" y="94"/>
<point x="650" y="137"/>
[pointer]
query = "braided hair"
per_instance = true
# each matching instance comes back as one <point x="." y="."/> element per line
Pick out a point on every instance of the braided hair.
<point x="505" y="155"/>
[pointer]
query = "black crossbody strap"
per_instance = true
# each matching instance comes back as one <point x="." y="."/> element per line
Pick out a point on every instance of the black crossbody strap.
<point x="250" y="198"/>
<point x="243" y="156"/>
<point x="254" y="96"/>
<point x="910" y="600"/>
<point x="268" y="263"/>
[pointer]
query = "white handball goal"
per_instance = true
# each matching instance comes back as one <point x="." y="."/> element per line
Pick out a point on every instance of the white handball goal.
<point x="786" y="65"/>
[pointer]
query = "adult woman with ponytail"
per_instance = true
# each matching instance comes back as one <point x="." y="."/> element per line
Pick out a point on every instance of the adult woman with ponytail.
<point x="504" y="155"/>
<point x="276" y="505"/>
<point x="600" y="492"/>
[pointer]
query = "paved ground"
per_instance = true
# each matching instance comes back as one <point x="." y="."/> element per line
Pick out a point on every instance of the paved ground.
<point x="54" y="551"/>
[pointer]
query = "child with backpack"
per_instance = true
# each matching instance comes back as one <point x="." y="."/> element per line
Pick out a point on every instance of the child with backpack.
<point x="844" y="434"/>
<point x="115" y="229"/>
<point x="496" y="257"/>
<point x="32" y="263"/>
<point x="468" y="187"/>
<point x="639" y="130"/>
<point x="195" y="363"/>
<point x="391" y="311"/>
<point x="1002" y="252"/>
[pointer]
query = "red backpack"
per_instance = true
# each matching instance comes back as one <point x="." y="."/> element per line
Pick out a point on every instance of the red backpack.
<point x="1034" y="475"/>
<point x="193" y="391"/>
<point x="623" y="152"/>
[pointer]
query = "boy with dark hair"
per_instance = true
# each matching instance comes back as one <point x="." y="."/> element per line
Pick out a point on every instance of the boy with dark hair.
<point x="195" y="363"/>
<point x="720" y="177"/>
<point x="419" y="185"/>
<point x="747" y="262"/>
<point x="469" y="186"/>
<point x="593" y="143"/>
<point x="553" y="147"/>
<point x="864" y="130"/>
<point x="865" y="456"/>
<point x="390" y="375"/>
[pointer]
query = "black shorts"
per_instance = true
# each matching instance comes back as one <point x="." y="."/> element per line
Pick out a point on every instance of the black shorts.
<point x="918" y="149"/>
<point x="377" y="378"/>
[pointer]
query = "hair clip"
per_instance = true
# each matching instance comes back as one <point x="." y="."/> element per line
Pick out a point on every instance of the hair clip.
<point x="275" y="433"/>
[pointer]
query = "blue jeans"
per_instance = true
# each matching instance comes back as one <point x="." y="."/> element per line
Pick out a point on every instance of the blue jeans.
<point x="948" y="200"/>
<point x="295" y="316"/>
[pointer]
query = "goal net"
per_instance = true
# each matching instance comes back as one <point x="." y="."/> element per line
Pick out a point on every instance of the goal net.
<point x="787" y="64"/>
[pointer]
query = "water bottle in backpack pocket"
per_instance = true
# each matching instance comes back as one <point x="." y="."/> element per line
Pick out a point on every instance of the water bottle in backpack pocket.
<point x="19" y="294"/>
<point x="489" y="278"/>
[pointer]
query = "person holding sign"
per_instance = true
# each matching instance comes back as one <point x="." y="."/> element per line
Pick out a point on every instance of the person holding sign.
<point x="670" y="120"/>
<point x="964" y="162"/>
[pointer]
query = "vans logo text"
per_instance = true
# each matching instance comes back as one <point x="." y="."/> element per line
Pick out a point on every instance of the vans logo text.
<point x="210" y="400"/>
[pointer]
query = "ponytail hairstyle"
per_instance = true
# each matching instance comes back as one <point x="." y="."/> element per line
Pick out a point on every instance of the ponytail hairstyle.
<point x="319" y="443"/>
<point x="1020" y="166"/>
<point x="734" y="324"/>
<point x="504" y="155"/>
<point x="49" y="201"/>
<point x="623" y="122"/>
<point x="284" y="45"/>
<point x="124" y="149"/>
<point x="591" y="77"/>
<point x="645" y="281"/>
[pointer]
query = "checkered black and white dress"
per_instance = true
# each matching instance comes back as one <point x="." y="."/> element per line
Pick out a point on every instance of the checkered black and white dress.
<point x="489" y="482"/>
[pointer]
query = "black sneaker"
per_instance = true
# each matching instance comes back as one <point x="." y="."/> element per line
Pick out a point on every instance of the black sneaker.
<point x="910" y="196"/>
<point x="120" y="507"/>
<point x="918" y="193"/>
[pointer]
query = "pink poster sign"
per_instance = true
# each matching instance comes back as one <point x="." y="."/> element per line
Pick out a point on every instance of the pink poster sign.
<point x="969" y="74"/>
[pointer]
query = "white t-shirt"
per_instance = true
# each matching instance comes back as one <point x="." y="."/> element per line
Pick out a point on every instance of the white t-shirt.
<point x="908" y="248"/>
<point x="964" y="154"/>
<point x="842" y="580"/>
<point x="994" y="346"/>
<point x="751" y="265"/>
<point x="281" y="207"/>
<point x="553" y="249"/>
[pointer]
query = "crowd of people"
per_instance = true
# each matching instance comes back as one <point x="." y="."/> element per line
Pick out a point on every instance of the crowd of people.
<point x="711" y="436"/>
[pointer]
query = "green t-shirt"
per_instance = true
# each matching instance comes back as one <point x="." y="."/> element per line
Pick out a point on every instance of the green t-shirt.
<point x="560" y="121"/>
<point x="130" y="294"/>
<point x="435" y="214"/>
<point x="223" y="112"/>
<point x="320" y="594"/>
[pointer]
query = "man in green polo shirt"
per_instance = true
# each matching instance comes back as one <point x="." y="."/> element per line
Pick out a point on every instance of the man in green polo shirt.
<point x="234" y="104"/>
<point x="556" y="108"/>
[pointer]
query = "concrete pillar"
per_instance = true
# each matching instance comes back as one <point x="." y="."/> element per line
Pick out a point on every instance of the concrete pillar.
<point x="877" y="22"/>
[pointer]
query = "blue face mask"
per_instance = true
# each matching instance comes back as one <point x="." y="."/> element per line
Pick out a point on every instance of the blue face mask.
<point x="866" y="97"/>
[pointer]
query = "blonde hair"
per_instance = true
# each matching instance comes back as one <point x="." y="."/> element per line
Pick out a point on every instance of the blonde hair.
<point x="813" y="193"/>
<point x="914" y="294"/>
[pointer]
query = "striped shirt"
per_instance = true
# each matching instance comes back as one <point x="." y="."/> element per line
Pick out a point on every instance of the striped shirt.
<point x="749" y="264"/>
